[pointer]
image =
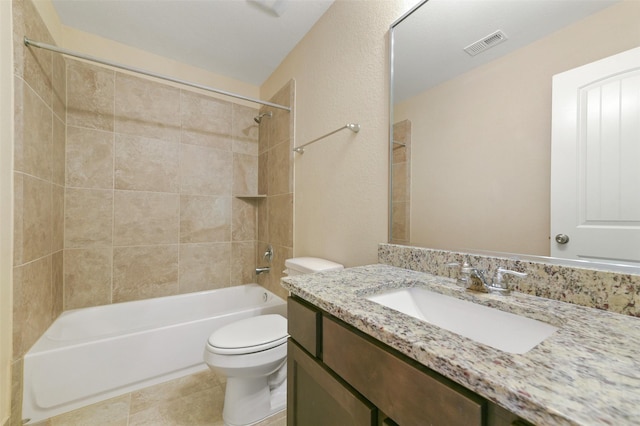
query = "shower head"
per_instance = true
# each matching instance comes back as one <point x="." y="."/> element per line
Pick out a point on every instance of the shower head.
<point x="259" y="117"/>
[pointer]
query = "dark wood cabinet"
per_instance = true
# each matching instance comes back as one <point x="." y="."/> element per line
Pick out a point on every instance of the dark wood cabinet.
<point x="338" y="376"/>
<point x="316" y="397"/>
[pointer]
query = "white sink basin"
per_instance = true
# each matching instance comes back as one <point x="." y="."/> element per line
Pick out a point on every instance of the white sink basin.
<point x="501" y="330"/>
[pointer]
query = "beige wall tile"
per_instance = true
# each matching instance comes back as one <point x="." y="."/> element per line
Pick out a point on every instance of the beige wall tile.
<point x="205" y="219"/>
<point x="57" y="217"/>
<point x="88" y="218"/>
<point x="399" y="222"/>
<point x="16" y="393"/>
<point x="266" y="131"/>
<point x="32" y="303"/>
<point x="144" y="272"/>
<point x="17" y="15"/>
<point x="37" y="218"/>
<point x="401" y="134"/>
<point x="399" y="173"/>
<point x="244" y="129"/>
<point x="146" y="218"/>
<point x="146" y="164"/>
<point x="89" y="158"/>
<point x="280" y="131"/>
<point x="244" y="220"/>
<point x="281" y="220"/>
<point x="204" y="266"/>
<point x="205" y="121"/>
<point x="245" y="174"/>
<point x="205" y="171"/>
<point x="281" y="128"/>
<point x="90" y="96"/>
<point x="146" y="108"/>
<point x="18" y="218"/>
<point x="87" y="277"/>
<point x="57" y="283"/>
<point x="37" y="65"/>
<point x="59" y="86"/>
<point x="271" y="281"/>
<point x="58" y="153"/>
<point x="280" y="170"/>
<point x="262" y="222"/>
<point x="33" y="150"/>
<point x="243" y="262"/>
<point x="263" y="173"/>
<point x="18" y="123"/>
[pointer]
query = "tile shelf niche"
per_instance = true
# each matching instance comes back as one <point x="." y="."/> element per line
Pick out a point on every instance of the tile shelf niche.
<point x="251" y="196"/>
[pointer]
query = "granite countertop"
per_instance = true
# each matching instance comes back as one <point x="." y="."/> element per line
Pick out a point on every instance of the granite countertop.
<point x="586" y="373"/>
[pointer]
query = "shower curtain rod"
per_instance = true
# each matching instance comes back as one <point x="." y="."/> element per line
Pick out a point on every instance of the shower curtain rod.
<point x="354" y="127"/>
<point x="67" y="52"/>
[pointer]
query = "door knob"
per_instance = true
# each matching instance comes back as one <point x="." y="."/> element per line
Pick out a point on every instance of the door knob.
<point x="562" y="239"/>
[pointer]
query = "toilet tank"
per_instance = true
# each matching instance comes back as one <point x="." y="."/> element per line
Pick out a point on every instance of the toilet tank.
<point x="308" y="265"/>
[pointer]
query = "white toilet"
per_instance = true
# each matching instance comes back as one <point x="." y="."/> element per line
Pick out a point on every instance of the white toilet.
<point x="252" y="354"/>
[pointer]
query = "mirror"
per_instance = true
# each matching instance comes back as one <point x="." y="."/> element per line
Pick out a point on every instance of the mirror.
<point x="471" y="145"/>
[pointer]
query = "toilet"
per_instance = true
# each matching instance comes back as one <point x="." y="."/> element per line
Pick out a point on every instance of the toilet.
<point x="252" y="354"/>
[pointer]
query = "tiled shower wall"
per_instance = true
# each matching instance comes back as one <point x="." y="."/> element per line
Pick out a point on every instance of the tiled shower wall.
<point x="275" y="212"/>
<point x="125" y="189"/>
<point x="151" y="174"/>
<point x="401" y="178"/>
<point x="39" y="140"/>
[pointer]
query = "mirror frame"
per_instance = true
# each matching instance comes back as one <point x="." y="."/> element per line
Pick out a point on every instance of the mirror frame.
<point x="615" y="267"/>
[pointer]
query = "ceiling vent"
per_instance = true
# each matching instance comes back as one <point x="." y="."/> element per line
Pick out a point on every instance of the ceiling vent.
<point x="485" y="43"/>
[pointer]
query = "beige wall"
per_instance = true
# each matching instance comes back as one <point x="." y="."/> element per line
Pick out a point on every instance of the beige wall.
<point x="341" y="182"/>
<point x="483" y="179"/>
<point x="6" y="207"/>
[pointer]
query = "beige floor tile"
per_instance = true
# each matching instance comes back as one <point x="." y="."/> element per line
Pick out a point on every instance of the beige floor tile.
<point x="112" y="412"/>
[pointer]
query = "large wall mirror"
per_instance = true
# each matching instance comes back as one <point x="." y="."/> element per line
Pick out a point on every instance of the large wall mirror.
<point x="471" y="104"/>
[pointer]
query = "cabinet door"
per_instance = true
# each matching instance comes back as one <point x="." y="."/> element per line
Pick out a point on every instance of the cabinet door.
<point x="409" y="393"/>
<point x="316" y="398"/>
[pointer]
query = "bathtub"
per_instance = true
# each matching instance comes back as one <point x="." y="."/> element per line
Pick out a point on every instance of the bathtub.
<point x="92" y="354"/>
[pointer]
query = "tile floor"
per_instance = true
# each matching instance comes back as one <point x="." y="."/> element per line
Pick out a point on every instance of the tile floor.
<point x="194" y="400"/>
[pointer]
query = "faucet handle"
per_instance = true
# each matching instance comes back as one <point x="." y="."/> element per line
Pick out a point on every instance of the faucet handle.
<point x="501" y="272"/>
<point x="464" y="271"/>
<point x="268" y="254"/>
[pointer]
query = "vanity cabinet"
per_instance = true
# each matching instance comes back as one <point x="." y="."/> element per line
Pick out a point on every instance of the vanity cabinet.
<point x="337" y="375"/>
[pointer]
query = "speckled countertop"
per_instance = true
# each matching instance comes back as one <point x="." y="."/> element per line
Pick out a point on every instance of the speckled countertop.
<point x="586" y="373"/>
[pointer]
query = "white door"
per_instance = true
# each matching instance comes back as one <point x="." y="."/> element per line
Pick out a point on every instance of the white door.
<point x="595" y="161"/>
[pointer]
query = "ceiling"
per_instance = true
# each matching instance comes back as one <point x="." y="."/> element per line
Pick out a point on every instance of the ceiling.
<point x="241" y="39"/>
<point x="429" y="44"/>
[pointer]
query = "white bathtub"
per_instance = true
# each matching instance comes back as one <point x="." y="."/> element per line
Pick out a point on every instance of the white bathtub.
<point x="92" y="354"/>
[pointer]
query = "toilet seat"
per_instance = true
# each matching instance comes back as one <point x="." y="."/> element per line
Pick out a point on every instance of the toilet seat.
<point x="254" y="334"/>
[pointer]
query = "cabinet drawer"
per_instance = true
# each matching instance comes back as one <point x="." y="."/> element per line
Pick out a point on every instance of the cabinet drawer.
<point x="303" y="323"/>
<point x="402" y="389"/>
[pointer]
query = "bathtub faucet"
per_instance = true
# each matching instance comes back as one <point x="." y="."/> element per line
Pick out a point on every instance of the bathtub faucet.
<point x="261" y="270"/>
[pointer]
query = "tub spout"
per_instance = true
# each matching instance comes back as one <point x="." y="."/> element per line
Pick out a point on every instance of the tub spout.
<point x="261" y="270"/>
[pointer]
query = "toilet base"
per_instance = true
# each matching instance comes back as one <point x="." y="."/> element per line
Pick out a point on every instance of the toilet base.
<point x="248" y="401"/>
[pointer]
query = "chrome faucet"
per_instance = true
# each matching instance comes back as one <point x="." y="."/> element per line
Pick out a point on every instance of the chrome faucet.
<point x="476" y="281"/>
<point x="262" y="270"/>
<point x="268" y="256"/>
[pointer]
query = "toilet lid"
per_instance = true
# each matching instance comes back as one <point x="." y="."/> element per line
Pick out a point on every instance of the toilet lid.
<point x="249" y="335"/>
